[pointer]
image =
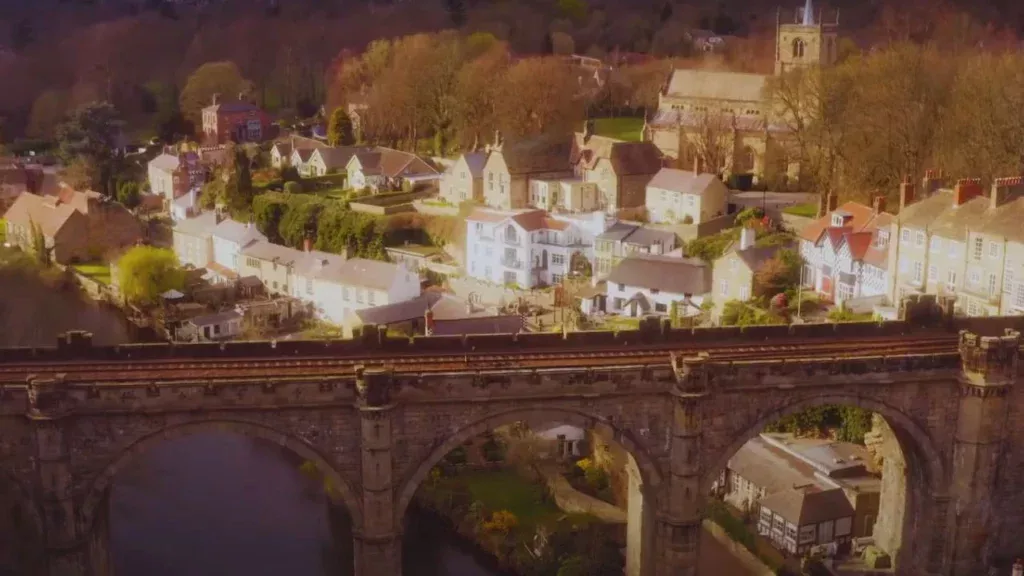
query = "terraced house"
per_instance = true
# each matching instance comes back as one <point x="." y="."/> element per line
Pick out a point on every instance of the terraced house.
<point x="512" y="166"/>
<point x="962" y="242"/>
<point x="619" y="170"/>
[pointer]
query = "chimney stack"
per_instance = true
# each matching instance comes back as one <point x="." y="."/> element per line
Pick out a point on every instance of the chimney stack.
<point x="428" y="322"/>
<point x="1005" y="190"/>
<point x="965" y="190"/>
<point x="307" y="244"/>
<point x="696" y="164"/>
<point x="907" y="192"/>
<point x="932" y="181"/>
<point x="215" y="99"/>
<point x="827" y="204"/>
<point x="747" y="238"/>
<point x="878" y="204"/>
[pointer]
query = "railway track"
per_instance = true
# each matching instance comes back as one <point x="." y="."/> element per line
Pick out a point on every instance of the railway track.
<point x="659" y="354"/>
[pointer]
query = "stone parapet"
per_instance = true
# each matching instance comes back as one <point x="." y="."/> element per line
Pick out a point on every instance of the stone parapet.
<point x="834" y="371"/>
<point x="990" y="360"/>
<point x="373" y="342"/>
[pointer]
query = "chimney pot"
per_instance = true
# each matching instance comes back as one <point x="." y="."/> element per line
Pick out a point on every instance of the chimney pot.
<point x="1005" y="190"/>
<point x="907" y="192"/>
<point x="965" y="190"/>
<point x="879" y="204"/>
<point x="932" y="181"/>
<point x="306" y="244"/>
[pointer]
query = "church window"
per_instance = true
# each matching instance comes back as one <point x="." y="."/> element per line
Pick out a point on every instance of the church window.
<point x="798" y="48"/>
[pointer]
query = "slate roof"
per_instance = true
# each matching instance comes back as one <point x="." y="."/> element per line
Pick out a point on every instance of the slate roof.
<point x="338" y="157"/>
<point x="165" y="162"/>
<point x="358" y="272"/>
<point x="809" y="506"/>
<point x="716" y="85"/>
<point x="237" y="232"/>
<point x="270" y="252"/>
<point x="627" y="158"/>
<point x="770" y="468"/>
<point x="236" y="106"/>
<point x="755" y="256"/>
<point x="485" y="215"/>
<point x="443" y="306"/>
<point x="200" y="225"/>
<point x="476" y="162"/>
<point x="682" y="181"/>
<point x="1008" y="222"/>
<point x="392" y="163"/>
<point x="47" y="212"/>
<point x="665" y="273"/>
<point x="540" y="154"/>
<point x="284" y="148"/>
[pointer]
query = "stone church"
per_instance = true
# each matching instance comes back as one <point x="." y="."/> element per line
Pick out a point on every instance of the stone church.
<point x="722" y="122"/>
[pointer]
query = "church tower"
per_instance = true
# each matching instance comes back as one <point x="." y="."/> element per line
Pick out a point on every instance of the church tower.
<point x="806" y="41"/>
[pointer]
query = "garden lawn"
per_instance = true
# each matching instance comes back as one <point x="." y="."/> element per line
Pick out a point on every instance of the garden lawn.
<point x="806" y="210"/>
<point x="98" y="271"/>
<point x="3" y="230"/>
<point x="507" y="490"/>
<point x="628" y="129"/>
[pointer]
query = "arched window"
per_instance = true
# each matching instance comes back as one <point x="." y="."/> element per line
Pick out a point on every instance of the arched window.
<point x="798" y="48"/>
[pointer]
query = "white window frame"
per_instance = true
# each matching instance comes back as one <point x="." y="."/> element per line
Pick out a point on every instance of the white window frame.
<point x="936" y="244"/>
<point x="905" y="236"/>
<point x="919" y="239"/>
<point x="932" y="273"/>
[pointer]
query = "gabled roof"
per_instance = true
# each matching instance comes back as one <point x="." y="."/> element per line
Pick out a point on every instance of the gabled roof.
<point x="665" y="273"/>
<point x="540" y="154"/>
<point x="284" y="148"/>
<point x="810" y="505"/>
<point x="755" y="256"/>
<point x="304" y="154"/>
<point x="682" y="181"/>
<point x="1008" y="221"/>
<point x="391" y="163"/>
<point x="442" y="306"/>
<point x="626" y="158"/>
<point x="236" y="106"/>
<point x="237" y="232"/>
<point x="200" y="225"/>
<point x="486" y="215"/>
<point x="338" y="157"/>
<point x="370" y="273"/>
<point x="475" y="161"/>
<point x="716" y="85"/>
<point x="270" y="252"/>
<point x="165" y="162"/>
<point x="46" y="212"/>
<point x="862" y="218"/>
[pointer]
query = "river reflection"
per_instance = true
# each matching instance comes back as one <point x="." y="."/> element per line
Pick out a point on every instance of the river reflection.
<point x="217" y="504"/>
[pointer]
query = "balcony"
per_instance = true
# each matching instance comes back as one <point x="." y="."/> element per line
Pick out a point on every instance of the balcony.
<point x="511" y="240"/>
<point x="512" y="263"/>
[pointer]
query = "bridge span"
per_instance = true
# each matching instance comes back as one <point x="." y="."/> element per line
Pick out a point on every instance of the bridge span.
<point x="375" y="414"/>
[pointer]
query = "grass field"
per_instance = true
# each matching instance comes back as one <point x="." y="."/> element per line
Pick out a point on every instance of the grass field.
<point x="628" y="129"/>
<point x="98" y="271"/>
<point x="3" y="231"/>
<point x="506" y="490"/>
<point x="805" y="210"/>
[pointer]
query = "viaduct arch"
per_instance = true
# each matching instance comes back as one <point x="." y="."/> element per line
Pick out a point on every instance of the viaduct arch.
<point x="376" y="413"/>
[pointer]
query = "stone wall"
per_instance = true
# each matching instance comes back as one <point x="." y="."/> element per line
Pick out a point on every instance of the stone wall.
<point x="888" y="458"/>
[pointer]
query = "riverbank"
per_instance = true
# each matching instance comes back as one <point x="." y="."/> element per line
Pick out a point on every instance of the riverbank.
<point x="515" y="520"/>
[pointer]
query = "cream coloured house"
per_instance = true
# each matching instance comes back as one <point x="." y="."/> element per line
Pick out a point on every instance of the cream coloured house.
<point x="272" y="263"/>
<point x="733" y="274"/>
<point x="682" y="196"/>
<point x="512" y="166"/>
<point x="569" y="194"/>
<point x="464" y="180"/>
<point x="618" y="170"/>
<point x="960" y="242"/>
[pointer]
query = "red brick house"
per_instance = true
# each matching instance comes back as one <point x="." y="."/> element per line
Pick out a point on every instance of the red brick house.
<point x="238" y="121"/>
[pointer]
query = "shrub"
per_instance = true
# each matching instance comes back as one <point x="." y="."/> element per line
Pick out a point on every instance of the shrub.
<point x="687" y="219"/>
<point x="501" y="522"/>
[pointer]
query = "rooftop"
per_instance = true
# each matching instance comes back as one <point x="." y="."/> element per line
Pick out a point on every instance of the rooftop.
<point x="665" y="273"/>
<point x="683" y="181"/>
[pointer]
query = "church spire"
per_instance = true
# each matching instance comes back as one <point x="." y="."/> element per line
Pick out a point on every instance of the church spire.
<point x="808" y="14"/>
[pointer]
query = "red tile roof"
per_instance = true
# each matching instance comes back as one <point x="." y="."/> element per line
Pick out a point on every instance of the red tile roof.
<point x="863" y="218"/>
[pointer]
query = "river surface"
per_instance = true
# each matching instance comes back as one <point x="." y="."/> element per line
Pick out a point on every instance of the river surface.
<point x="219" y="504"/>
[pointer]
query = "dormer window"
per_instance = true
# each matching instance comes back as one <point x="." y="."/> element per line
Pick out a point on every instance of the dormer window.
<point x="840" y="218"/>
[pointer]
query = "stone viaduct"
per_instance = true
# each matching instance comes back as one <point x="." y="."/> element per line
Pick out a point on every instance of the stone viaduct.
<point x="375" y="414"/>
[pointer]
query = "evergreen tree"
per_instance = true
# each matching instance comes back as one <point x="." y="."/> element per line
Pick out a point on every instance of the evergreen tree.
<point x="339" y="130"/>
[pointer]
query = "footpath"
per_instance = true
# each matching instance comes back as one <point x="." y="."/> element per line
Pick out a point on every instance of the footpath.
<point x="570" y="499"/>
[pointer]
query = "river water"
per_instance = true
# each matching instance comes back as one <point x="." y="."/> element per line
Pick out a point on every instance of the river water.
<point x="219" y="504"/>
